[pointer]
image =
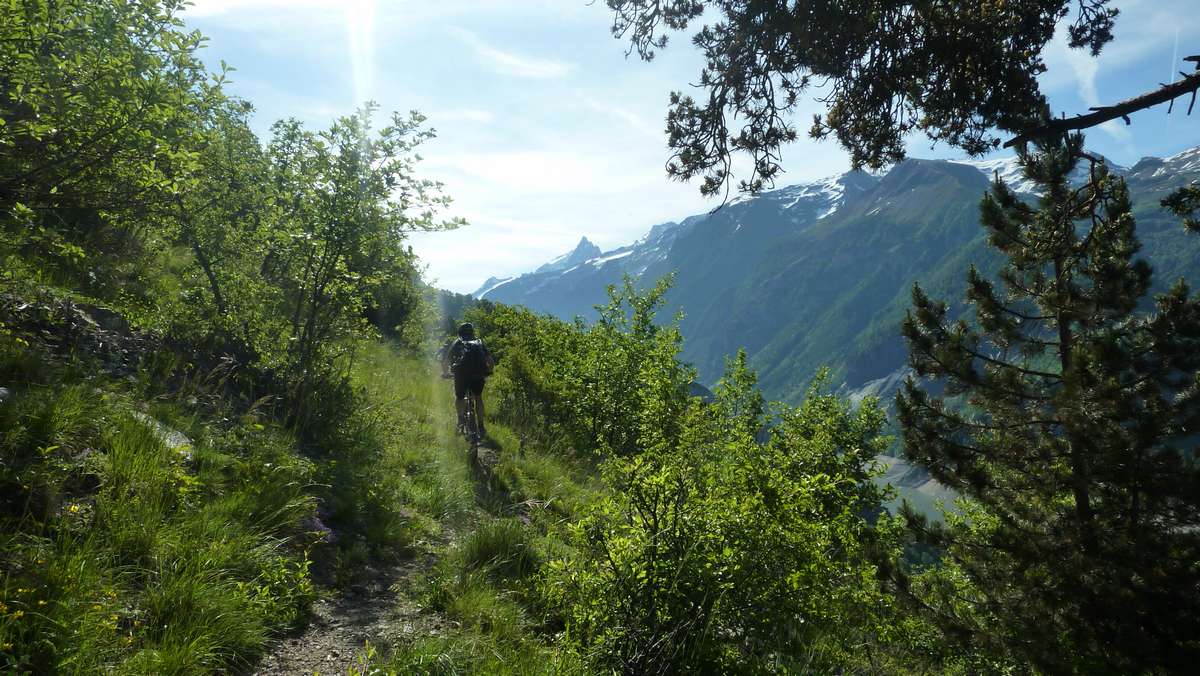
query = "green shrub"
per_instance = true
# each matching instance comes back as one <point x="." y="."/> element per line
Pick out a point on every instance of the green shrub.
<point x="716" y="553"/>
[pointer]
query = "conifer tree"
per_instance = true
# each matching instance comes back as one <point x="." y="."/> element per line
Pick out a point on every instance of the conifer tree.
<point x="1068" y="420"/>
<point x="955" y="71"/>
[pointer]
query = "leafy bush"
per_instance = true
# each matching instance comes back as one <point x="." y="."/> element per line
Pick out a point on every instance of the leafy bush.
<point x="714" y="552"/>
<point x="727" y="539"/>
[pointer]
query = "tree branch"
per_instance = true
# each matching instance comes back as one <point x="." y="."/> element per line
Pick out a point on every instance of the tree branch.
<point x="1188" y="85"/>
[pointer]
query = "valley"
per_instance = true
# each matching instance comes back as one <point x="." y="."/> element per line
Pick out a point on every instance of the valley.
<point x="818" y="275"/>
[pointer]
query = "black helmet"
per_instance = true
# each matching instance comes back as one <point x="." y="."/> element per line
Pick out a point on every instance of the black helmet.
<point x="467" y="330"/>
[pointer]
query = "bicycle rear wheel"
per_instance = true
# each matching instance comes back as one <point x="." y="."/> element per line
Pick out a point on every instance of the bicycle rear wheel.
<point x="472" y="423"/>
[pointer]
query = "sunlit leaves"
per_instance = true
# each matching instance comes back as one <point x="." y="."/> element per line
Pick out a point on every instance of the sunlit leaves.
<point x="717" y="549"/>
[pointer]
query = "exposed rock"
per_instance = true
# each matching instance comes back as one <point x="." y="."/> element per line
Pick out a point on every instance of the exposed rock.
<point x="173" y="439"/>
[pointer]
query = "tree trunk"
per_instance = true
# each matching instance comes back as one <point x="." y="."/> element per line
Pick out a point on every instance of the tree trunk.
<point x="1076" y="438"/>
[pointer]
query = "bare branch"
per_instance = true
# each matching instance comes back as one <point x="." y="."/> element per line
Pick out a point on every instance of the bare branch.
<point x="1188" y="85"/>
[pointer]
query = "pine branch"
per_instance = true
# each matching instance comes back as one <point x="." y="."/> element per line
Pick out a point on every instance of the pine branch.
<point x="1190" y="84"/>
<point x="1008" y="365"/>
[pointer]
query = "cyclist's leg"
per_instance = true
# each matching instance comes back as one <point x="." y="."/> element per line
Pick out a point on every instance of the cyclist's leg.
<point x="460" y="400"/>
<point x="476" y="423"/>
<point x="479" y="409"/>
<point x="477" y="395"/>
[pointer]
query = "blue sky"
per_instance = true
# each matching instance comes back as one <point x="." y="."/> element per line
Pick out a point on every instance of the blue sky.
<point x="547" y="132"/>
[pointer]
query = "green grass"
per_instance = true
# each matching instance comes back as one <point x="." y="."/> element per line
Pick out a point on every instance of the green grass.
<point x="499" y="523"/>
<point x="125" y="552"/>
<point x="474" y="652"/>
<point x="146" y="533"/>
<point x="421" y="461"/>
<point x="485" y="585"/>
<point x="503" y="546"/>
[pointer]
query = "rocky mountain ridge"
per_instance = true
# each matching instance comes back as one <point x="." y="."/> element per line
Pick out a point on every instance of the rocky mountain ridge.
<point x="818" y="274"/>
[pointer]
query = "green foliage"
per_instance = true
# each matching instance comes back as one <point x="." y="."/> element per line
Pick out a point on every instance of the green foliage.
<point x="453" y="309"/>
<point x="955" y="71"/>
<point x="1074" y="444"/>
<point x="128" y="546"/>
<point x="604" y="386"/>
<point x="129" y="176"/>
<point x="345" y="200"/>
<point x="717" y="553"/>
<point x="708" y="549"/>
<point x="96" y="104"/>
<point x="1185" y="203"/>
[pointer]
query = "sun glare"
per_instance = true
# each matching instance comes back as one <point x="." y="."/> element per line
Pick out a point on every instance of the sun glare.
<point x="360" y="27"/>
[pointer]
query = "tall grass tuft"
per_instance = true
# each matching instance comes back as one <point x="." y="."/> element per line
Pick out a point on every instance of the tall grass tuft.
<point x="502" y="546"/>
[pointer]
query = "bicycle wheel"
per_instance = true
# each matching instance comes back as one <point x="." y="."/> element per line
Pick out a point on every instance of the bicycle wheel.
<point x="472" y="420"/>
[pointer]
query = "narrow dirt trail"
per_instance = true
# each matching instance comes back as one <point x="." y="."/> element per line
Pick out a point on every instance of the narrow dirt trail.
<point x="381" y="607"/>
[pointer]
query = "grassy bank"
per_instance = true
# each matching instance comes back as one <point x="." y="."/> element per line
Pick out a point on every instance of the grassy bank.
<point x="153" y="529"/>
<point x="142" y="532"/>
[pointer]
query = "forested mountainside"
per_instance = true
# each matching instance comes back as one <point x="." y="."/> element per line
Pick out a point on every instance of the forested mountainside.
<point x="819" y="274"/>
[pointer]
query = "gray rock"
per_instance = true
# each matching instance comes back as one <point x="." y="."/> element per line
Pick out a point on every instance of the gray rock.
<point x="173" y="439"/>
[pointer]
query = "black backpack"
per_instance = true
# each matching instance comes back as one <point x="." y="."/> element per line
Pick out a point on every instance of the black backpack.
<point x="473" y="359"/>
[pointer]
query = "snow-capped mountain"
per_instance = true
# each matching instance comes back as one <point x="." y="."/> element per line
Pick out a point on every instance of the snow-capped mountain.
<point x="584" y="251"/>
<point x="795" y="205"/>
<point x="819" y="274"/>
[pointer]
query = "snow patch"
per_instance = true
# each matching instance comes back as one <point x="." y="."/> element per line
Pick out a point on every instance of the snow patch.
<point x="493" y="287"/>
<point x="1188" y="159"/>
<point x="609" y="257"/>
<point x="1007" y="168"/>
<point x="830" y="190"/>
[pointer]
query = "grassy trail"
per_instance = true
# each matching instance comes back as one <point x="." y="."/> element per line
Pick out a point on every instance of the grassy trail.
<point x="372" y="594"/>
<point x="454" y="594"/>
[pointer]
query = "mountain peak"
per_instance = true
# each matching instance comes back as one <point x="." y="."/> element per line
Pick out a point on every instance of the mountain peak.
<point x="657" y="231"/>
<point x="582" y="252"/>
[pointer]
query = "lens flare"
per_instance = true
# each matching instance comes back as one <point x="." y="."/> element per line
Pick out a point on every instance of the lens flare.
<point x="360" y="26"/>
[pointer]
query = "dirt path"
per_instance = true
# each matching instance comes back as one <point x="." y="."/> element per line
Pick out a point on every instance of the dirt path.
<point x="380" y="607"/>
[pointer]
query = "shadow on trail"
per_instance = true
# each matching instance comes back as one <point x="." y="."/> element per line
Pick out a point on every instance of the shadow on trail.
<point x="492" y="494"/>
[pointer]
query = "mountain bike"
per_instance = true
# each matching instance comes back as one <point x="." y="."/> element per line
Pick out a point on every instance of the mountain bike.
<point x="470" y="427"/>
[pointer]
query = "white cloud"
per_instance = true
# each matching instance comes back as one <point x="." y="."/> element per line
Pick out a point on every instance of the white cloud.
<point x="1085" y="70"/>
<point x="542" y="172"/>
<point x="200" y="9"/>
<point x="626" y="116"/>
<point x="462" y="259"/>
<point x="515" y="65"/>
<point x="463" y="115"/>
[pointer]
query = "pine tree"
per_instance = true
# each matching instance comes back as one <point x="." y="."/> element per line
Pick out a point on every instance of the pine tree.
<point x="1068" y="421"/>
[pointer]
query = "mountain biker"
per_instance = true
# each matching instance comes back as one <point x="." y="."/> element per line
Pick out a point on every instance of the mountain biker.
<point x="470" y="362"/>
